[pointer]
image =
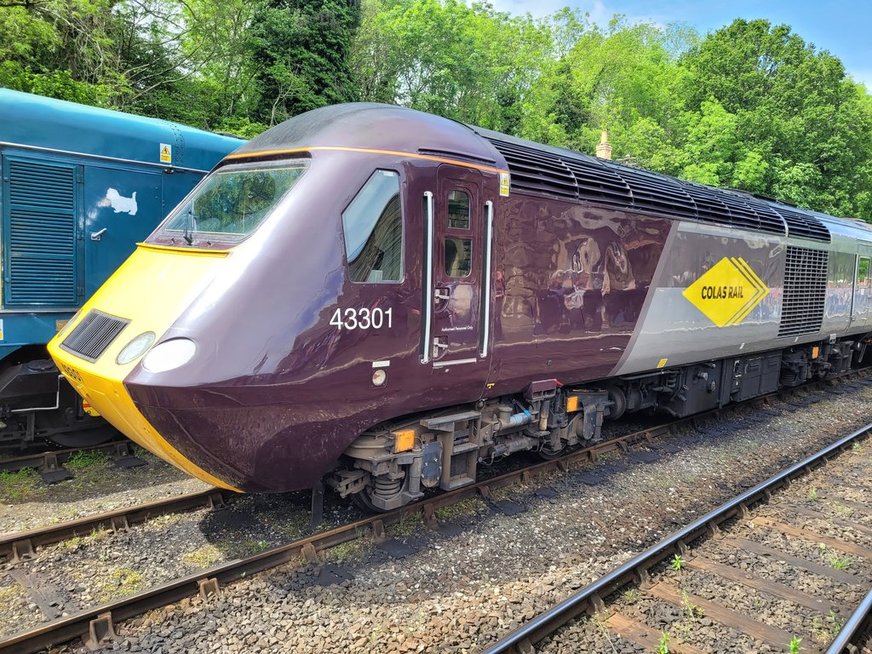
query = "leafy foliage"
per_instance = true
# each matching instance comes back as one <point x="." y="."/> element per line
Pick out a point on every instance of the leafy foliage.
<point x="751" y="106"/>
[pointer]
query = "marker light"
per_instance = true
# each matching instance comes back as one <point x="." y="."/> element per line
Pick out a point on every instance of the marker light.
<point x="135" y="348"/>
<point x="169" y="355"/>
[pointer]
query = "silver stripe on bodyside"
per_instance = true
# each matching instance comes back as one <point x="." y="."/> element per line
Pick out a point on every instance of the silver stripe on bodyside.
<point x="73" y="153"/>
<point x="488" y="246"/>
<point x="454" y="362"/>
<point x="428" y="279"/>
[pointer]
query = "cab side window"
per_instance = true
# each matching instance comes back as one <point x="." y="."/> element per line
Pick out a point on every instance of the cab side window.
<point x="373" y="227"/>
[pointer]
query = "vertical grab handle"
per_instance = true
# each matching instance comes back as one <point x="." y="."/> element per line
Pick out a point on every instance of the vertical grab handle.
<point x="486" y="278"/>
<point x="427" y="307"/>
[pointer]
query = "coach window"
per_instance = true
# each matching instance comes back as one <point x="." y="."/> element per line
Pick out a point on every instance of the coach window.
<point x="458" y="209"/>
<point x="373" y="226"/>
<point x="863" y="271"/>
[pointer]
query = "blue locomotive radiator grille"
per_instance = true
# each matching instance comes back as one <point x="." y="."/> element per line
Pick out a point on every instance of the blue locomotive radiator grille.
<point x="40" y="235"/>
<point x="805" y="289"/>
<point x="93" y="335"/>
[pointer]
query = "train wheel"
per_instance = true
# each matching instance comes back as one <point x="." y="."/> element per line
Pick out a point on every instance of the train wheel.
<point x="549" y="455"/>
<point x="363" y="501"/>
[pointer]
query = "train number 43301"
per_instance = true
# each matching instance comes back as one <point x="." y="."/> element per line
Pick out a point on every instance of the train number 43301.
<point x="363" y="318"/>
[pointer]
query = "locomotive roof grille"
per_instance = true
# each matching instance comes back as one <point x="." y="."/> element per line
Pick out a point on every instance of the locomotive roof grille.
<point x="802" y="224"/>
<point x="561" y="173"/>
<point x="93" y="335"/>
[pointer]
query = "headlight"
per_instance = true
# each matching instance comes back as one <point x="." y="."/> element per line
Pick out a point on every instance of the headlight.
<point x="135" y="348"/>
<point x="169" y="355"/>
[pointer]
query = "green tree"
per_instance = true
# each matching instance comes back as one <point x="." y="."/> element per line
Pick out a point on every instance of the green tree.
<point x="801" y="130"/>
<point x="470" y="63"/>
<point x="300" y="52"/>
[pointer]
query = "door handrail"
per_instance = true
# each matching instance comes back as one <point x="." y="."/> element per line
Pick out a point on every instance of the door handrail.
<point x="426" y="313"/>
<point x="486" y="291"/>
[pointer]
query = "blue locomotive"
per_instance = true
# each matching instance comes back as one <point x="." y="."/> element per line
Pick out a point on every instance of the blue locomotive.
<point x="81" y="186"/>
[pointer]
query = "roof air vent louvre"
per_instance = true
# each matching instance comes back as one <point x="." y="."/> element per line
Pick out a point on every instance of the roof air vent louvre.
<point x="803" y="225"/>
<point x="656" y="192"/>
<point x="541" y="169"/>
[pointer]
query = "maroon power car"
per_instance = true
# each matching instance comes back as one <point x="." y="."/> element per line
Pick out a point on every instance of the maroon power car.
<point x="386" y="299"/>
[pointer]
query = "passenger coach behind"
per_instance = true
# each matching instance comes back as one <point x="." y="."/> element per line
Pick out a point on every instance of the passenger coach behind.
<point x="385" y="299"/>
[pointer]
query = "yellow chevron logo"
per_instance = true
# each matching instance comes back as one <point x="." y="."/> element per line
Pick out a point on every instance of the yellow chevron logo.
<point x="727" y="292"/>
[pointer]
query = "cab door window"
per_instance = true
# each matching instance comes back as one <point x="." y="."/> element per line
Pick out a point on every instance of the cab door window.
<point x="373" y="228"/>
<point x="458" y="250"/>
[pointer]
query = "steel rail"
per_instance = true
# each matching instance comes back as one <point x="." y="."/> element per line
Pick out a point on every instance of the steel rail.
<point x="636" y="568"/>
<point x="853" y="626"/>
<point x="21" y="545"/>
<point x="53" y="458"/>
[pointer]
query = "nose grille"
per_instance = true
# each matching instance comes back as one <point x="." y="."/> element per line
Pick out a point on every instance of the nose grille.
<point x="93" y="335"/>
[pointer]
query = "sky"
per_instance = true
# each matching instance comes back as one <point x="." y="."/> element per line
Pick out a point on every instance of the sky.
<point x="841" y="27"/>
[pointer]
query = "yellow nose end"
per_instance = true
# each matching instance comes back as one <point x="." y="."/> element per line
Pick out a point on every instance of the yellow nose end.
<point x="110" y="399"/>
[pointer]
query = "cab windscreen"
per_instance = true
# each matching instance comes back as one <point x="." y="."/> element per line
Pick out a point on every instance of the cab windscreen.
<point x="229" y="204"/>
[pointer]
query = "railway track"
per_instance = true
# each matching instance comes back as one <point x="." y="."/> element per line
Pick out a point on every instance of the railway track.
<point x="49" y="463"/>
<point x="653" y="576"/>
<point x="96" y="624"/>
<point x="22" y="545"/>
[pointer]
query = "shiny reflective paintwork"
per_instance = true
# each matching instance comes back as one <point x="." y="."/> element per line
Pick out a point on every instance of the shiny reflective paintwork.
<point x="276" y="393"/>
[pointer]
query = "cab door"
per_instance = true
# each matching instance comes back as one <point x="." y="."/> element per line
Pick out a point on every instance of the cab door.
<point x="457" y="267"/>
<point x="456" y="271"/>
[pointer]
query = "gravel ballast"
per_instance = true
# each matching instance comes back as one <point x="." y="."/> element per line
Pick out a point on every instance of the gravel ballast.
<point x="460" y="590"/>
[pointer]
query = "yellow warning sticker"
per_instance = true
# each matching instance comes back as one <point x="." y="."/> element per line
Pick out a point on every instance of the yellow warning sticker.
<point x="504" y="184"/>
<point x="166" y="153"/>
<point x="728" y="292"/>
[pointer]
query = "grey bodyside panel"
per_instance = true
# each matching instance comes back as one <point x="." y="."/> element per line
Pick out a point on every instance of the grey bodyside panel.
<point x="840" y="284"/>
<point x="672" y="328"/>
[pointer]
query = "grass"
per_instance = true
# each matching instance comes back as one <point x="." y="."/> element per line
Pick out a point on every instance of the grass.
<point x="349" y="549"/>
<point x="663" y="644"/>
<point x="18" y="485"/>
<point x="632" y="595"/>
<point x="295" y="525"/>
<point x="691" y="610"/>
<point x="250" y="545"/>
<point x="842" y="511"/>
<point x="677" y="563"/>
<point x="839" y="562"/>
<point x="202" y="557"/>
<point x="120" y="582"/>
<point x="9" y="593"/>
<point x="462" y="509"/>
<point x="793" y="646"/>
<point x="84" y="460"/>
<point x="825" y="630"/>
<point x="812" y="496"/>
<point x="409" y="525"/>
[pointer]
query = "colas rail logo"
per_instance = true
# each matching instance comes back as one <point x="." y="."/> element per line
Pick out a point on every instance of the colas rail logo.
<point x="728" y="292"/>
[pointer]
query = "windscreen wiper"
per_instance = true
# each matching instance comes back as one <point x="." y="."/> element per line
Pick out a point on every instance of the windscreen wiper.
<point x="189" y="227"/>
